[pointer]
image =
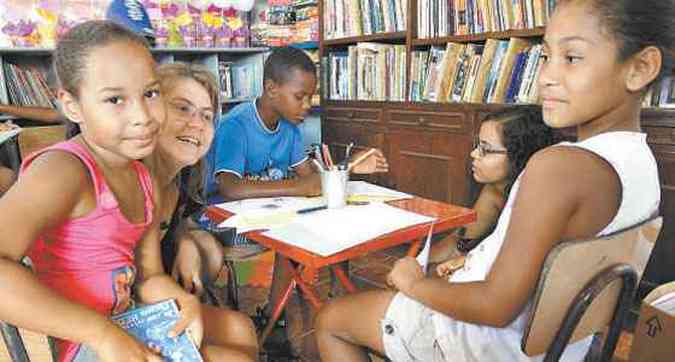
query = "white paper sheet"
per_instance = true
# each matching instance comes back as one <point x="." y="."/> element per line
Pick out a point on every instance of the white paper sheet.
<point x="365" y="191"/>
<point x="423" y="256"/>
<point x="265" y="213"/>
<point x="327" y="232"/>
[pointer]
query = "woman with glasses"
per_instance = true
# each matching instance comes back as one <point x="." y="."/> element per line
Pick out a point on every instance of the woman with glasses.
<point x="191" y="95"/>
<point x="505" y="142"/>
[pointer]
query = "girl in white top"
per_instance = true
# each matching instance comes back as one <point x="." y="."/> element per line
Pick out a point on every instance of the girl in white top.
<point x="600" y="57"/>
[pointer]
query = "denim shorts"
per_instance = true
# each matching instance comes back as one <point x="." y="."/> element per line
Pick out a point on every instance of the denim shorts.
<point x="408" y="332"/>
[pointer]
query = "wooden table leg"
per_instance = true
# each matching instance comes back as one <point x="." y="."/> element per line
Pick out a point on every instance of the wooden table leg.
<point x="343" y="278"/>
<point x="307" y="292"/>
<point x="415" y="248"/>
<point x="276" y="312"/>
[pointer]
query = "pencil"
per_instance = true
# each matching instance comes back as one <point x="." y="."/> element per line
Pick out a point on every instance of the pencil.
<point x="360" y="159"/>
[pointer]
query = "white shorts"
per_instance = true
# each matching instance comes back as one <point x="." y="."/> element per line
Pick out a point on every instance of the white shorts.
<point x="408" y="332"/>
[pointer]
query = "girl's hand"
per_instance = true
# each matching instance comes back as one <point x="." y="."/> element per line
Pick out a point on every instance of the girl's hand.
<point x="373" y="164"/>
<point x="190" y="319"/>
<point x="406" y="272"/>
<point x="116" y="345"/>
<point x="188" y="266"/>
<point x="447" y="268"/>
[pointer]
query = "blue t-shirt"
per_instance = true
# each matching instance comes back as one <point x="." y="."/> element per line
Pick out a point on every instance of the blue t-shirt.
<point x="244" y="146"/>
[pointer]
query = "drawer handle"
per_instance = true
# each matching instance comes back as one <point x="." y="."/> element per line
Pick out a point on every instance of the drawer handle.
<point x="422" y="121"/>
<point x="672" y="135"/>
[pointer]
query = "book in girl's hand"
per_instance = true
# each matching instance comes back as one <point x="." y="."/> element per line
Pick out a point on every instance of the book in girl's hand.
<point x="151" y="324"/>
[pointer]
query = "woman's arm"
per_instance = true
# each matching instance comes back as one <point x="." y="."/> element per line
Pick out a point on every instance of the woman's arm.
<point x="154" y="285"/>
<point x="552" y="205"/>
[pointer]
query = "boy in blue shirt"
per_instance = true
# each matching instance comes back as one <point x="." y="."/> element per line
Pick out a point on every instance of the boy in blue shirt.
<point x="258" y="149"/>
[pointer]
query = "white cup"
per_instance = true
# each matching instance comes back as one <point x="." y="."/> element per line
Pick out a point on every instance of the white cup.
<point x="334" y="188"/>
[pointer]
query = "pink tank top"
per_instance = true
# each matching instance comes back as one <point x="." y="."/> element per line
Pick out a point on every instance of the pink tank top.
<point x="90" y="259"/>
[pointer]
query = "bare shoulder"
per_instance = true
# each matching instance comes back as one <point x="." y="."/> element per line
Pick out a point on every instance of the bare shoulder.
<point x="58" y="167"/>
<point x="568" y="168"/>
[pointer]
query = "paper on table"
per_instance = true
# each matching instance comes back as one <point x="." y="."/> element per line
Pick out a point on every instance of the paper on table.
<point x="364" y="191"/>
<point x="265" y="213"/>
<point x="327" y="232"/>
<point x="270" y="204"/>
<point x="423" y="256"/>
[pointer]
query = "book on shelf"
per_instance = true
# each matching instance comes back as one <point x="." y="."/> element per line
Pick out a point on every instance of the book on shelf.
<point x="366" y="71"/>
<point x="349" y="18"/>
<point x="661" y="94"/>
<point x="27" y="86"/>
<point x="499" y="71"/>
<point x="438" y="18"/>
<point x="151" y="323"/>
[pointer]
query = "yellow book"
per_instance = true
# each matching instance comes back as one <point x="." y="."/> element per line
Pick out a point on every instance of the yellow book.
<point x="448" y="69"/>
<point x="483" y="70"/>
<point x="516" y="45"/>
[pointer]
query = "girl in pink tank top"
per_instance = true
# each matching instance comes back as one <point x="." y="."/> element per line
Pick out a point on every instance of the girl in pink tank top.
<point x="80" y="208"/>
<point x="90" y="259"/>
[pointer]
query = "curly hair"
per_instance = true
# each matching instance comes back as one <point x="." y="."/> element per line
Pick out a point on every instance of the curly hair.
<point x="523" y="134"/>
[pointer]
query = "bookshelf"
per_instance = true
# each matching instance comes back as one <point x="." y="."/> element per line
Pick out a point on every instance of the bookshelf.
<point x="239" y="70"/>
<point x="428" y="143"/>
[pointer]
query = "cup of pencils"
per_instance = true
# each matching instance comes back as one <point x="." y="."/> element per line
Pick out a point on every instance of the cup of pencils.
<point x="334" y="187"/>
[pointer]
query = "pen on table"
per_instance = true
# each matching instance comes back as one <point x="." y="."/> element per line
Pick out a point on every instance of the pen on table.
<point x="360" y="159"/>
<point x="311" y="209"/>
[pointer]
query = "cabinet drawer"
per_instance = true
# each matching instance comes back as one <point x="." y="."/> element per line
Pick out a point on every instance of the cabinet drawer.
<point x="454" y="122"/>
<point x="660" y="135"/>
<point x="368" y="115"/>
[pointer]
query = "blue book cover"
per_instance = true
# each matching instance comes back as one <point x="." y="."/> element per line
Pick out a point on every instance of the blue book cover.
<point x="151" y="324"/>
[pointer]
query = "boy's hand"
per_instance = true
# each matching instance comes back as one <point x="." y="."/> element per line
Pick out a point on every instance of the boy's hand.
<point x="188" y="266"/>
<point x="406" y="272"/>
<point x="373" y="164"/>
<point x="114" y="345"/>
<point x="190" y="318"/>
<point x="311" y="184"/>
<point x="445" y="269"/>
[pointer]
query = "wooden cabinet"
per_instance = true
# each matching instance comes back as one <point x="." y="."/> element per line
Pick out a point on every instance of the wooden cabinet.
<point x="364" y="127"/>
<point x="429" y="153"/>
<point x="660" y="129"/>
<point x="427" y="148"/>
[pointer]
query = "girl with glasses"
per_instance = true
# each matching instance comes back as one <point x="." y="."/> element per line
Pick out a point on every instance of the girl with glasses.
<point x="505" y="142"/>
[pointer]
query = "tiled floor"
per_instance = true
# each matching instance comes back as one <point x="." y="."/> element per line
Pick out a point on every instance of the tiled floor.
<point x="368" y="272"/>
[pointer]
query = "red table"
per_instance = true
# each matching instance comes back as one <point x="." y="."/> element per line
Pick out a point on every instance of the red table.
<point x="447" y="217"/>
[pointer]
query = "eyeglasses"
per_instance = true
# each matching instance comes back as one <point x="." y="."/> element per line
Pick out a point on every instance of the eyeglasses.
<point x="188" y="110"/>
<point x="485" y="149"/>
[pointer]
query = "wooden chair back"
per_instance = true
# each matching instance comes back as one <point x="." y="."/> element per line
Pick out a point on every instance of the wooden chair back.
<point x="569" y="267"/>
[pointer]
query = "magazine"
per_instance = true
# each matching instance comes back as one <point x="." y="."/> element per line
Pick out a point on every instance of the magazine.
<point x="151" y="324"/>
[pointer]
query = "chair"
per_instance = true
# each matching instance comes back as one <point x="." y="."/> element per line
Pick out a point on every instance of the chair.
<point x="586" y="286"/>
<point x="33" y="139"/>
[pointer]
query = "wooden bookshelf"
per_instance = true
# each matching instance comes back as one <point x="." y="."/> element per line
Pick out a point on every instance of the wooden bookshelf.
<point x="523" y="33"/>
<point x="396" y="37"/>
